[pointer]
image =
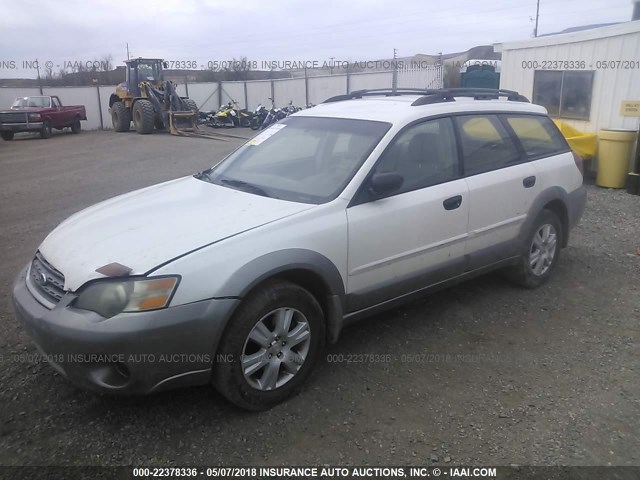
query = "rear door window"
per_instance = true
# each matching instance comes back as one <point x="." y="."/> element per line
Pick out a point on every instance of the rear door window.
<point x="537" y="134"/>
<point x="486" y="144"/>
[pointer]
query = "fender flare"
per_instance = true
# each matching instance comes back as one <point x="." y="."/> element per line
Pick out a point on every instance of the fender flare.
<point x="272" y="264"/>
<point x="544" y="198"/>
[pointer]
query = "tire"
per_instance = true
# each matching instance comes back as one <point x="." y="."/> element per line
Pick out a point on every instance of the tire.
<point x="45" y="132"/>
<point x="120" y="117"/>
<point x="190" y="104"/>
<point x="75" y="126"/>
<point x="144" y="117"/>
<point x="270" y="382"/>
<point x="6" y="136"/>
<point x="544" y="244"/>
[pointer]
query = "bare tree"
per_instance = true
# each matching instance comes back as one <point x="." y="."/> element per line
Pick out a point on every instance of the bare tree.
<point x="237" y="69"/>
<point x="107" y="63"/>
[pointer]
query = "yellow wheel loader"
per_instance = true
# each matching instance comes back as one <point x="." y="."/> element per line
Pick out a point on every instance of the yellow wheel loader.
<point x="150" y="101"/>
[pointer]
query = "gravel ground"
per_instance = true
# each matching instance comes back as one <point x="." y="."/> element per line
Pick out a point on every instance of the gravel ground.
<point x="483" y="373"/>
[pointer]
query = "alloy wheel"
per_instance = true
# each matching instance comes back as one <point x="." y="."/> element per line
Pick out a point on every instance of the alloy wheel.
<point x="275" y="349"/>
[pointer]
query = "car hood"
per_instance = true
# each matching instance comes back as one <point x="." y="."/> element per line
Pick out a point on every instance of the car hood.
<point x="152" y="226"/>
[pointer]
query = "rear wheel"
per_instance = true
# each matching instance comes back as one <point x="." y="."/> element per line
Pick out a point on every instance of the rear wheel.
<point x="45" y="132"/>
<point x="120" y="117"/>
<point x="144" y="117"/>
<point x="6" y="135"/>
<point x="274" y="339"/>
<point x="540" y="254"/>
<point x="190" y="104"/>
<point x="75" y="126"/>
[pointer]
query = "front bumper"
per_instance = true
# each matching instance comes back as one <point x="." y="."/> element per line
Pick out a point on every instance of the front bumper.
<point x="21" y="127"/>
<point x="131" y="353"/>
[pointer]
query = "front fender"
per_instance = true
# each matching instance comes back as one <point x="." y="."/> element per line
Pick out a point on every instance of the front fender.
<point x="271" y="264"/>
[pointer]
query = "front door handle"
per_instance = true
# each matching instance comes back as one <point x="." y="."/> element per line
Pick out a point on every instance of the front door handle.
<point x="529" y="181"/>
<point x="452" y="203"/>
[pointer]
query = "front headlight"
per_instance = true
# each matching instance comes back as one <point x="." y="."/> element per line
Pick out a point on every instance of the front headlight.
<point x="111" y="297"/>
<point x="34" y="116"/>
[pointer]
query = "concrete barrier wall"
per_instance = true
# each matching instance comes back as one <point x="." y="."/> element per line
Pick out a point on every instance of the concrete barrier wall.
<point x="259" y="93"/>
<point x="290" y="90"/>
<point x="248" y="94"/>
<point x="321" y="88"/>
<point x="8" y="95"/>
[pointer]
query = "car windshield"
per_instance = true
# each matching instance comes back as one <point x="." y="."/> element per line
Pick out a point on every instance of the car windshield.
<point x="31" y="102"/>
<point x="301" y="159"/>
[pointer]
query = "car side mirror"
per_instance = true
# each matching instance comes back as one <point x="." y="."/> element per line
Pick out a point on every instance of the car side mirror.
<point x="385" y="183"/>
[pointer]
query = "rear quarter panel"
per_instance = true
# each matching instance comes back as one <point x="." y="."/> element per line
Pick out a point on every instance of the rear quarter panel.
<point x="558" y="171"/>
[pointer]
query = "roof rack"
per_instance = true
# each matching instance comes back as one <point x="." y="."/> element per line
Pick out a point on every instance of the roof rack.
<point x="430" y="96"/>
<point x="387" y="92"/>
<point x="448" y="95"/>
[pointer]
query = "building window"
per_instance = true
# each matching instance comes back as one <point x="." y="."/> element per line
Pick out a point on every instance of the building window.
<point x="565" y="94"/>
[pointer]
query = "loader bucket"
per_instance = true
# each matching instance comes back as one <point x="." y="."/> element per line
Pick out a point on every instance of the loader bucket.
<point x="186" y="121"/>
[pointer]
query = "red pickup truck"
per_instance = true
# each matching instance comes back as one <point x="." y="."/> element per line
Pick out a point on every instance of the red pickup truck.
<point x="40" y="114"/>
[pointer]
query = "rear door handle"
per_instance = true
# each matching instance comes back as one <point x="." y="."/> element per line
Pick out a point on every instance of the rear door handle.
<point x="529" y="181"/>
<point x="452" y="203"/>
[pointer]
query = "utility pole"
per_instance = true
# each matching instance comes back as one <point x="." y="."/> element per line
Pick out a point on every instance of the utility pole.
<point x="535" y="30"/>
<point x="127" y="50"/>
<point x="39" y="79"/>
<point x="394" y="78"/>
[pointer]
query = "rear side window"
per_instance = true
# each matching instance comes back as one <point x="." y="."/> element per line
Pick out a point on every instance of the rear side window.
<point x="486" y="145"/>
<point x="537" y="134"/>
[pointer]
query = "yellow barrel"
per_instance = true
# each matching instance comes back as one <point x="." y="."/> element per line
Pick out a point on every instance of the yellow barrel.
<point x="614" y="156"/>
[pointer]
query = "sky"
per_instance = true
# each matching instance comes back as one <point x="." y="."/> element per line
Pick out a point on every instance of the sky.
<point x="206" y="31"/>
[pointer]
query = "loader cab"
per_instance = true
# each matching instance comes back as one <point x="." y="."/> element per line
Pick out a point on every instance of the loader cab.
<point x="143" y="70"/>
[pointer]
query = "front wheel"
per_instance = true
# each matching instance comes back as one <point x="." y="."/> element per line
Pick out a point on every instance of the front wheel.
<point x="144" y="117"/>
<point x="270" y="346"/>
<point x="540" y="254"/>
<point x="45" y="132"/>
<point x="6" y="135"/>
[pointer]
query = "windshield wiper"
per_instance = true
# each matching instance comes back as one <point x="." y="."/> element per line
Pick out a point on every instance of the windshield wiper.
<point x="204" y="175"/>
<point x="248" y="187"/>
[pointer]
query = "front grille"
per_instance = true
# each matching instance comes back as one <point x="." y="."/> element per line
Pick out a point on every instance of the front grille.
<point x="13" y="117"/>
<point x="53" y="287"/>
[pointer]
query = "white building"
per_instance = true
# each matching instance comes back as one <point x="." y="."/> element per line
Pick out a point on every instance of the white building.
<point x="580" y="77"/>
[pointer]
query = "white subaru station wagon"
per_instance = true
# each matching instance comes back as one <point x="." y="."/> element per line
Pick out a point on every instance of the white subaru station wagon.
<point x="239" y="275"/>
